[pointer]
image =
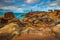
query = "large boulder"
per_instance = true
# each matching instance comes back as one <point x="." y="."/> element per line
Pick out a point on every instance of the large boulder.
<point x="56" y="30"/>
<point x="9" y="15"/>
<point x="8" y="31"/>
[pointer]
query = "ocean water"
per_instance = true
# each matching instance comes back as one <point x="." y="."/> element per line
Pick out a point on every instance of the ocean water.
<point x="1" y="14"/>
<point x="17" y="15"/>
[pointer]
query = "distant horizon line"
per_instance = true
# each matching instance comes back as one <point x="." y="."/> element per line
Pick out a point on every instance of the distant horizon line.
<point x="31" y="11"/>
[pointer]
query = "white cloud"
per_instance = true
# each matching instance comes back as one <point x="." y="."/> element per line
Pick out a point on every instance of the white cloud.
<point x="52" y="8"/>
<point x="9" y="7"/>
<point x="56" y="3"/>
<point x="31" y="1"/>
<point x="35" y="8"/>
<point x="23" y="5"/>
<point x="13" y="8"/>
<point x="53" y="4"/>
<point x="20" y="10"/>
<point x="58" y="7"/>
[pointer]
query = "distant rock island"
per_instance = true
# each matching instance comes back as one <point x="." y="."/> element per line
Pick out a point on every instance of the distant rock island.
<point x="38" y="25"/>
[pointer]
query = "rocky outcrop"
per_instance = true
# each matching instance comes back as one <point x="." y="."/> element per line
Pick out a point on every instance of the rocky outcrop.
<point x="9" y="18"/>
<point x="34" y="26"/>
<point x="4" y="19"/>
<point x="50" y="18"/>
<point x="56" y="31"/>
<point x="3" y="22"/>
<point x="36" y="34"/>
<point x="17" y="21"/>
<point x="8" y="31"/>
<point x="9" y="15"/>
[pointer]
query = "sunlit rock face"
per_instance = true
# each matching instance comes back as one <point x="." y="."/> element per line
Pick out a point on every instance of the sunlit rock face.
<point x="9" y="28"/>
<point x="56" y="30"/>
<point x="8" y="31"/>
<point x="36" y="34"/>
<point x="17" y="21"/>
<point x="35" y="26"/>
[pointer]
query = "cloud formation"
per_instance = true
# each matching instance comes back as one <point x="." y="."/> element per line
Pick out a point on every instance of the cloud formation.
<point x="13" y="8"/>
<point x="31" y="1"/>
<point x="53" y="4"/>
<point x="27" y="5"/>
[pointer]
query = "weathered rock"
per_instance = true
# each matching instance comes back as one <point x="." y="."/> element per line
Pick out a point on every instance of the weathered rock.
<point x="3" y="22"/>
<point x="17" y="21"/>
<point x="8" y="31"/>
<point x="33" y="20"/>
<point x="4" y="19"/>
<point x="56" y="30"/>
<point x="48" y="20"/>
<point x="35" y="34"/>
<point x="9" y="15"/>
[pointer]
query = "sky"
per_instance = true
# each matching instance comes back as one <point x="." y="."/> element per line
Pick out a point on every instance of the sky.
<point x="24" y="6"/>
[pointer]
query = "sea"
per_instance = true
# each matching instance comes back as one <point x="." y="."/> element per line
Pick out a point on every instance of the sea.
<point x="17" y="15"/>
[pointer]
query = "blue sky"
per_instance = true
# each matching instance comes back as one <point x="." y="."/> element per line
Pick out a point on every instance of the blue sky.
<point x="23" y="6"/>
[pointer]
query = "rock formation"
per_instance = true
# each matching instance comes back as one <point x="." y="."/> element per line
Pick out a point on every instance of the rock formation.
<point x="9" y="15"/>
<point x="3" y="22"/>
<point x="36" y="34"/>
<point x="34" y="26"/>
<point x="8" y="31"/>
<point x="4" y="19"/>
<point x="9" y="18"/>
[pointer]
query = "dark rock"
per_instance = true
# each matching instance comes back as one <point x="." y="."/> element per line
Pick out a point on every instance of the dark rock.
<point x="4" y="19"/>
<point x="9" y="15"/>
<point x="47" y="20"/>
<point x="3" y="22"/>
